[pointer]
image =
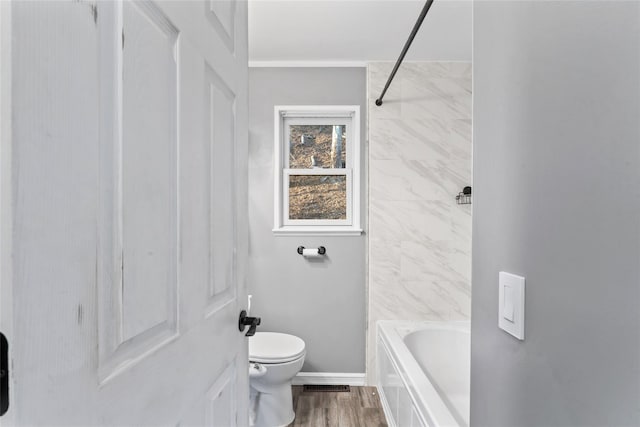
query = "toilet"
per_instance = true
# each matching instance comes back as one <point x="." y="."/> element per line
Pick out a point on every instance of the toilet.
<point x="274" y="359"/>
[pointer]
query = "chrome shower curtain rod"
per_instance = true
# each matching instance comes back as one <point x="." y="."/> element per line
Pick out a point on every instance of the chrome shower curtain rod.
<point x="416" y="27"/>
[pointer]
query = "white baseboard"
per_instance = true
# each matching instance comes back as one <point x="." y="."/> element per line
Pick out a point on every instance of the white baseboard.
<point x="329" y="378"/>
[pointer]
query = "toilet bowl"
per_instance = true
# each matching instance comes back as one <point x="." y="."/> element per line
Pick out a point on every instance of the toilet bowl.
<point x="274" y="359"/>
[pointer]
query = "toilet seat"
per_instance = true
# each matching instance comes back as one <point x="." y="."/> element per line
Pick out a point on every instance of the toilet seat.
<point x="275" y="347"/>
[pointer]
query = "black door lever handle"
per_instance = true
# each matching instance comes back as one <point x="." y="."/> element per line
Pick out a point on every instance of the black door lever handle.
<point x="4" y="374"/>
<point x="245" y="321"/>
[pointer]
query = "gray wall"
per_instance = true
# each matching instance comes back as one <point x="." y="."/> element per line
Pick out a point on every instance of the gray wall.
<point x="321" y="302"/>
<point x="557" y="200"/>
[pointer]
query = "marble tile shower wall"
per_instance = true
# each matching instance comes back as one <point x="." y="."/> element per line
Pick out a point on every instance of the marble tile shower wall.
<point x="419" y="159"/>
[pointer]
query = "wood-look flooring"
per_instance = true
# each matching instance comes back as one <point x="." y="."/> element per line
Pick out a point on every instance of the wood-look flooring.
<point x="358" y="408"/>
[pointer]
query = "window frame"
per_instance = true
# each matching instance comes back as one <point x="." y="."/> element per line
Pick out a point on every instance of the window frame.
<point x="310" y="113"/>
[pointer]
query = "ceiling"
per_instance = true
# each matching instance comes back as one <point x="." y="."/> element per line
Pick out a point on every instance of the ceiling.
<point x="353" y="31"/>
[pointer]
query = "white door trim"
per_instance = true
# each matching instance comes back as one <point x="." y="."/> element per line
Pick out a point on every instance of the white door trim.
<point x="6" y="288"/>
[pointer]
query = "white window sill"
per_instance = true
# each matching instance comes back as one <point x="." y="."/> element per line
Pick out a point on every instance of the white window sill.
<point x="316" y="231"/>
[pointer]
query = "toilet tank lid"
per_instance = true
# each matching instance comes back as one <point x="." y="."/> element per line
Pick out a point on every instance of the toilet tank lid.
<point x="274" y="347"/>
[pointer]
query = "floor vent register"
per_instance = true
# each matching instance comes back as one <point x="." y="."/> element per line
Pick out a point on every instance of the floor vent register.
<point x="326" y="387"/>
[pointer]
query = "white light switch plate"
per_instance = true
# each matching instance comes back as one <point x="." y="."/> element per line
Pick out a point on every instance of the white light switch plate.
<point x="511" y="304"/>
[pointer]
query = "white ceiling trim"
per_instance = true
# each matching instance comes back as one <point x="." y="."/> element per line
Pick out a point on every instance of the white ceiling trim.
<point x="307" y="64"/>
<point x="332" y="64"/>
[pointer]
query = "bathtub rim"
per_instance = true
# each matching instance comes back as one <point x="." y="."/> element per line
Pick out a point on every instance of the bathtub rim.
<point x="414" y="379"/>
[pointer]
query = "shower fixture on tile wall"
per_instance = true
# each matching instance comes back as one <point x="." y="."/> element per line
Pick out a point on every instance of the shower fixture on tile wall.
<point x="464" y="197"/>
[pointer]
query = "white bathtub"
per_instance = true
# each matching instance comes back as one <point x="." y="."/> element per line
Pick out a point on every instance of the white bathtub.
<point x="423" y="372"/>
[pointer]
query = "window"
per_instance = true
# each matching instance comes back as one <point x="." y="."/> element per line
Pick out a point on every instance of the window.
<point x="317" y="170"/>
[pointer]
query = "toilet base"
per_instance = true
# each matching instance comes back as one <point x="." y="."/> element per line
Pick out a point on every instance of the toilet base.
<point x="273" y="408"/>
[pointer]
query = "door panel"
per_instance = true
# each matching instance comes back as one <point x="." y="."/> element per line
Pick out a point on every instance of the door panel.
<point x="218" y="406"/>
<point x="221" y="14"/>
<point x="147" y="170"/>
<point x="138" y="185"/>
<point x="220" y="111"/>
<point x="221" y="399"/>
<point x="130" y="139"/>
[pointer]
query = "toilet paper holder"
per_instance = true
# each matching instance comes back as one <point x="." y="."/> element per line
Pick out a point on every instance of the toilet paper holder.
<point x="321" y="250"/>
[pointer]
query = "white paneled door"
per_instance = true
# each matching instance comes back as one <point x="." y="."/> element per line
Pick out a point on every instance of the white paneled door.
<point x="123" y="223"/>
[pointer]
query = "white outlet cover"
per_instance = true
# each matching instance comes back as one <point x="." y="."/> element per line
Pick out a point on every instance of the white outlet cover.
<point x="511" y="304"/>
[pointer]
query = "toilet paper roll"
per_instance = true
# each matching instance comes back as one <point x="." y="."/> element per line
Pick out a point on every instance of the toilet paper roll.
<point x="310" y="253"/>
